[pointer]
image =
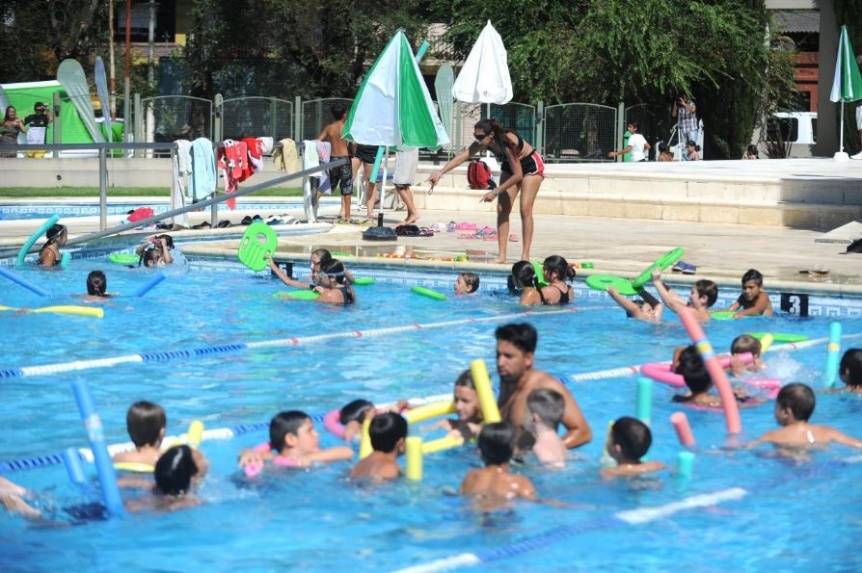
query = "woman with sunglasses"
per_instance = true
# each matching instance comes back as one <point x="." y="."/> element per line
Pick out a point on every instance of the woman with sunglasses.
<point x="333" y="285"/>
<point x="522" y="171"/>
<point x="318" y="258"/>
<point x="49" y="255"/>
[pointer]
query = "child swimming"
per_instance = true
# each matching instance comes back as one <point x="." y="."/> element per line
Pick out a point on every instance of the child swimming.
<point x="850" y="370"/>
<point x="753" y="301"/>
<point x="466" y="283"/>
<point x="703" y="295"/>
<point x="628" y="441"/>
<point x="648" y="309"/>
<point x="146" y="423"/>
<point x="388" y="433"/>
<point x="470" y="419"/>
<point x="296" y="443"/>
<point x="546" y="408"/>
<point x="493" y="485"/>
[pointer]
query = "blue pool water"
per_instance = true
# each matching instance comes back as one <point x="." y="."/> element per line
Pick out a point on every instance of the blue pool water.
<point x="784" y="516"/>
<point x="91" y="209"/>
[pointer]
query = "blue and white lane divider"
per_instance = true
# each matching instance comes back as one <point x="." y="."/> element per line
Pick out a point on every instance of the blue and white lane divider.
<point x="637" y="516"/>
<point x="77" y="365"/>
<point x="35" y="462"/>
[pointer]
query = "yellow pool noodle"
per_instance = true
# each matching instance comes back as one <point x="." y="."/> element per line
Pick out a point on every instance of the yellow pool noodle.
<point x="441" y="444"/>
<point x="365" y="448"/>
<point x="195" y="435"/>
<point x="414" y="458"/>
<point x="486" y="395"/>
<point x="428" y="411"/>
<point x="766" y="342"/>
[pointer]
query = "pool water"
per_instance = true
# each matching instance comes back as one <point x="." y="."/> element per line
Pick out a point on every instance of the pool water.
<point x="92" y="209"/>
<point x="789" y="516"/>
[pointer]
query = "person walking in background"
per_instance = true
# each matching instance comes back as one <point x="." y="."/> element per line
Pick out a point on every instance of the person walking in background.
<point x="637" y="146"/>
<point x="37" y="127"/>
<point x="342" y="176"/>
<point x="685" y="112"/>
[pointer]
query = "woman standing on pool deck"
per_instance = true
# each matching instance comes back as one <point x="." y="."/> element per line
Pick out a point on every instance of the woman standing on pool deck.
<point x="522" y="171"/>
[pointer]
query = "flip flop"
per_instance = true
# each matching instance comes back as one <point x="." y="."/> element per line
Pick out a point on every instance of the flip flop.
<point x="492" y="236"/>
<point x="513" y="238"/>
<point x="466" y="227"/>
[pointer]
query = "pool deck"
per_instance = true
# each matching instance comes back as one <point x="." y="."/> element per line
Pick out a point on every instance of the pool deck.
<point x="616" y="243"/>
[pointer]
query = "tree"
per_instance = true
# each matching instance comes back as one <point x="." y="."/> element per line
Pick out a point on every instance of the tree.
<point x="38" y="34"/>
<point x="608" y="51"/>
<point x="306" y="49"/>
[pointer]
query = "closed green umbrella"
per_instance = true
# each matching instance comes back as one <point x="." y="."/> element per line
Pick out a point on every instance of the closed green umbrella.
<point x="847" y="84"/>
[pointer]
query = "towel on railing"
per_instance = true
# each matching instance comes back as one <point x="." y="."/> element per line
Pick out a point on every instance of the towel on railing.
<point x="285" y="157"/>
<point x="203" y="181"/>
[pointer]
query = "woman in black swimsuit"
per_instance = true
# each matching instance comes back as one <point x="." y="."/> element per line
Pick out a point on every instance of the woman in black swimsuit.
<point x="557" y="271"/>
<point x="522" y="170"/>
<point x="334" y="288"/>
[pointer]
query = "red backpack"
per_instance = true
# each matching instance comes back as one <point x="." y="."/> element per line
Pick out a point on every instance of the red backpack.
<point x="479" y="175"/>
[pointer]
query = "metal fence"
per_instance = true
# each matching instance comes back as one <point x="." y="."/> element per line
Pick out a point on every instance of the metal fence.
<point x="575" y="132"/>
<point x="169" y="118"/>
<point x="254" y="117"/>
<point x="579" y="132"/>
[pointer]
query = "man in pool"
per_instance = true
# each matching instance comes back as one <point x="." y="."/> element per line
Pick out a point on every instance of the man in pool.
<point x="516" y="346"/>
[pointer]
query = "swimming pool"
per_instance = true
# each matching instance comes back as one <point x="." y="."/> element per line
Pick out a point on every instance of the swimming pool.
<point x="69" y="209"/>
<point x="741" y="511"/>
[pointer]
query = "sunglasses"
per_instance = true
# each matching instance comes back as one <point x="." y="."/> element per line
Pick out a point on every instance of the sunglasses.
<point x="480" y="135"/>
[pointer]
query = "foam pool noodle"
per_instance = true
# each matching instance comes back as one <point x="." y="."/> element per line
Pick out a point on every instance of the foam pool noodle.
<point x="487" y="401"/>
<point x="414" y="458"/>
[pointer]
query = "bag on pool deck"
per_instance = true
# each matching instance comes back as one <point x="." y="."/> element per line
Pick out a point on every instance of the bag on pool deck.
<point x="479" y="175"/>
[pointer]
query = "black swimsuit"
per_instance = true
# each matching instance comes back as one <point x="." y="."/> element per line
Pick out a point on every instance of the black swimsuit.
<point x="564" y="295"/>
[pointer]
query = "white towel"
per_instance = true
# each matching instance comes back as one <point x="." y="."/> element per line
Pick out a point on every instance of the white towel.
<point x="324" y="151"/>
<point x="310" y="160"/>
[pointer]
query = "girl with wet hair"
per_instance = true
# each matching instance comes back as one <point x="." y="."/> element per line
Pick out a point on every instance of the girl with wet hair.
<point x="57" y="235"/>
<point x="334" y="288"/>
<point x="557" y="271"/>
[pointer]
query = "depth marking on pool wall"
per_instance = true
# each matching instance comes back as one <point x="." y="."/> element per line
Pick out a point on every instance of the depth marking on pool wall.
<point x="631" y="517"/>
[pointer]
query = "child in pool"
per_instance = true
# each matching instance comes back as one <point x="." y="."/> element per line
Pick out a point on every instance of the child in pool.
<point x="97" y="285"/>
<point x="470" y="419"/>
<point x="524" y="281"/>
<point x="49" y="255"/>
<point x="794" y="406"/>
<point x="388" y="433"/>
<point x="745" y="344"/>
<point x="753" y="301"/>
<point x="556" y="271"/>
<point x="175" y="472"/>
<point x="693" y="370"/>
<point x="295" y="440"/>
<point x="546" y="408"/>
<point x="628" y="441"/>
<point x="493" y="485"/>
<point x="146" y="423"/>
<point x="466" y="283"/>
<point x="156" y="251"/>
<point x="703" y="295"/>
<point x="648" y="309"/>
<point x="850" y="370"/>
<point x="354" y="413"/>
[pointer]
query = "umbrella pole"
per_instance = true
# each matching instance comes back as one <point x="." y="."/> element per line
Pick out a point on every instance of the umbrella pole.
<point x="841" y="136"/>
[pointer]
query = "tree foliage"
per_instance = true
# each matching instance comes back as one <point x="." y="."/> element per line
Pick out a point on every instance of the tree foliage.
<point x="38" y="34"/>
<point x="288" y="49"/>
<point x="611" y="51"/>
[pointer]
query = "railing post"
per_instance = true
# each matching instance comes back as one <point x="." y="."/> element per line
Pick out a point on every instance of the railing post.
<point x="218" y="121"/>
<point x="103" y="187"/>
<point x="621" y="126"/>
<point x="57" y="123"/>
<point x="273" y="118"/>
<point x="540" y="127"/>
<point x="297" y="120"/>
<point x="138" y="117"/>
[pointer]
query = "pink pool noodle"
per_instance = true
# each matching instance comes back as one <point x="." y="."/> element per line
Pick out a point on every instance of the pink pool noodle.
<point x="683" y="430"/>
<point x="713" y="366"/>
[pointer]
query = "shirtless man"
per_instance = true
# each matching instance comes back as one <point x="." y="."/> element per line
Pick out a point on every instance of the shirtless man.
<point x="341" y="176"/>
<point x="516" y="345"/>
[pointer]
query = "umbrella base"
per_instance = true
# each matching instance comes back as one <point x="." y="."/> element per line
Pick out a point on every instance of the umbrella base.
<point x="840" y="156"/>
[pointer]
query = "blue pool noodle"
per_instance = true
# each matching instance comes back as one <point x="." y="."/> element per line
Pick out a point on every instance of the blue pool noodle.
<point x="72" y="461"/>
<point x="35" y="237"/>
<point x="23" y="282"/>
<point x="101" y="457"/>
<point x="833" y="354"/>
<point x="150" y="284"/>
<point x="644" y="408"/>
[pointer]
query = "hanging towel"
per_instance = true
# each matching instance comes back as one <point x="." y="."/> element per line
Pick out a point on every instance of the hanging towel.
<point x="265" y="145"/>
<point x="324" y="151"/>
<point x="203" y="181"/>
<point x="254" y="160"/>
<point x="285" y="157"/>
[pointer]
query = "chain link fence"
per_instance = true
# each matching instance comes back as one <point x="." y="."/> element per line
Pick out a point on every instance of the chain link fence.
<point x="577" y="132"/>
<point x="317" y="114"/>
<point x="169" y="118"/>
<point x="256" y="117"/>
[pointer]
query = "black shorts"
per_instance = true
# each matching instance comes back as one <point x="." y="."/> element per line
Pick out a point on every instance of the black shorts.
<point x="342" y="177"/>
<point x="367" y="153"/>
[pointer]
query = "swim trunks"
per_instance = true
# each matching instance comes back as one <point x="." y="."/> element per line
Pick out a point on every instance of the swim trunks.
<point x="342" y="177"/>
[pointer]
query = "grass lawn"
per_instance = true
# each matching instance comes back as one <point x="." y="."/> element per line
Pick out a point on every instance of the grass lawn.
<point x="38" y="193"/>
